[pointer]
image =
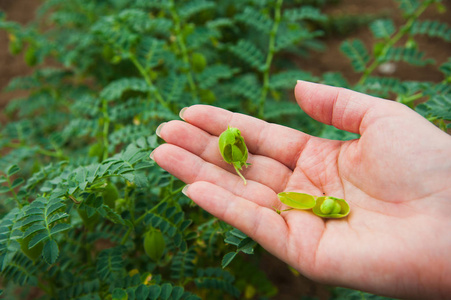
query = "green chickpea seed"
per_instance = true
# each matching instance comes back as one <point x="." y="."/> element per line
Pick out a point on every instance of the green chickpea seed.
<point x="331" y="207"/>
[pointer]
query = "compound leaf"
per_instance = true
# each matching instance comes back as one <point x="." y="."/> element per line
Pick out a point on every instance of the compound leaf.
<point x="382" y="28"/>
<point x="356" y="51"/>
<point x="249" y="53"/>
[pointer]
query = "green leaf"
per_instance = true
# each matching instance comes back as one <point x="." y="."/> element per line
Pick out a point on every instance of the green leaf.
<point x="119" y="294"/>
<point x="297" y="200"/>
<point x="382" y="28"/>
<point x="110" y="263"/>
<point x="218" y="279"/>
<point x="54" y="207"/>
<point x="166" y="290"/>
<point x="8" y="238"/>
<point x="232" y="240"/>
<point x="56" y="217"/>
<point x="29" y="219"/>
<point x="154" y="292"/>
<point x="432" y="28"/>
<point x="292" y="36"/>
<point x="142" y="291"/>
<point x="183" y="264"/>
<point x="238" y="233"/>
<point x="247" y="246"/>
<point x="409" y="6"/>
<point x="37" y="239"/>
<point x="439" y="106"/>
<point x="249" y="53"/>
<point x="246" y="86"/>
<point x="173" y="87"/>
<point x="35" y="227"/>
<point x="304" y="13"/>
<point x="445" y="68"/>
<point x="115" y="89"/>
<point x="356" y="51"/>
<point x="227" y="259"/>
<point x="50" y="251"/>
<point x="409" y="55"/>
<point x="4" y="189"/>
<point x="256" y="19"/>
<point x="212" y="74"/>
<point x="151" y="51"/>
<point x="194" y="7"/>
<point x="12" y="170"/>
<point x="335" y="79"/>
<point x="60" y="228"/>
<point x="17" y="182"/>
<point x="177" y="293"/>
<point x="287" y="79"/>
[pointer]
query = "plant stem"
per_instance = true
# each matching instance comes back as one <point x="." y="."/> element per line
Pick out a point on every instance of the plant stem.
<point x="106" y="125"/>
<point x="269" y="57"/>
<point x="127" y="234"/>
<point x="410" y="99"/>
<point x="158" y="204"/>
<point x="402" y="31"/>
<point x="241" y="175"/>
<point x="38" y="150"/>
<point x="14" y="193"/>
<point x="181" y="42"/>
<point x="46" y="289"/>
<point x="144" y="74"/>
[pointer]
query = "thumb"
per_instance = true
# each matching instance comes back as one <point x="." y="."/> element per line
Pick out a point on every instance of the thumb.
<point x="342" y="108"/>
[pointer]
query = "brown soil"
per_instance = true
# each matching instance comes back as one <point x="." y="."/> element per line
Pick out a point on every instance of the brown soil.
<point x="334" y="61"/>
<point x="290" y="286"/>
<point x="21" y="11"/>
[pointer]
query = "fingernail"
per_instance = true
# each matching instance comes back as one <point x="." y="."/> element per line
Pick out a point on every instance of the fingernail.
<point x="185" y="189"/>
<point x="182" y="112"/>
<point x="151" y="155"/>
<point x="159" y="129"/>
<point x="305" y="81"/>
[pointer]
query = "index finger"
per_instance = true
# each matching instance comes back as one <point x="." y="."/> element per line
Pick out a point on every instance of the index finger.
<point x="278" y="142"/>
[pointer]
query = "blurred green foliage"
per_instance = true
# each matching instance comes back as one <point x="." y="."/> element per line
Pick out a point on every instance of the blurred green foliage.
<point x="79" y="194"/>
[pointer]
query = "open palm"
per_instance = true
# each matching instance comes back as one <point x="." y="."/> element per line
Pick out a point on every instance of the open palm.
<point x="396" y="178"/>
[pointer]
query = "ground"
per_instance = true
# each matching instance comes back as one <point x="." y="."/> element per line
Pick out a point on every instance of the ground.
<point x="21" y="11"/>
<point x="290" y="287"/>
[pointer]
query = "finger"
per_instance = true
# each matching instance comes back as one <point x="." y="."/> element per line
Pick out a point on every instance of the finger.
<point x="190" y="168"/>
<point x="263" y="169"/>
<point x="262" y="224"/>
<point x="342" y="108"/>
<point x="277" y="142"/>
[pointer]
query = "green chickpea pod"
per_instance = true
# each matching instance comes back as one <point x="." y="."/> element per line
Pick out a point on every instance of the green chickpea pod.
<point x="324" y="207"/>
<point x="233" y="149"/>
<point x="154" y="244"/>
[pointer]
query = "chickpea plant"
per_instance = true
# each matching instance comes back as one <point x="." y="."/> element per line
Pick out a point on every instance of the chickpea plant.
<point x="84" y="212"/>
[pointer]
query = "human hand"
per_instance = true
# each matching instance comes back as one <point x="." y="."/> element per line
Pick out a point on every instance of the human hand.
<point x="396" y="178"/>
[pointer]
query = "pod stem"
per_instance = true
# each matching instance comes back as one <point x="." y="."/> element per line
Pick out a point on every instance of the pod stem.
<point x="239" y="174"/>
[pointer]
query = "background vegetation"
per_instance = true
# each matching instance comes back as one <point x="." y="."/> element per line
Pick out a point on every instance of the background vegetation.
<point x="86" y="215"/>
